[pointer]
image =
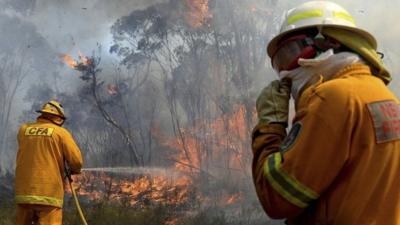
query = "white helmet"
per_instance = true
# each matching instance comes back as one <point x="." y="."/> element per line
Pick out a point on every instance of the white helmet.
<point x="317" y="14"/>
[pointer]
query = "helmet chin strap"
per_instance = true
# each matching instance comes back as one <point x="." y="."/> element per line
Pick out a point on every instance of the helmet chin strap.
<point x="61" y="123"/>
<point x="54" y="119"/>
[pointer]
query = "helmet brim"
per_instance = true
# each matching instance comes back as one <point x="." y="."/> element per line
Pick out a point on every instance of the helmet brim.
<point x="273" y="44"/>
<point x="44" y="112"/>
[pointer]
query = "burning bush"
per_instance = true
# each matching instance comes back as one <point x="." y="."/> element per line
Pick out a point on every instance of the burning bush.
<point x="136" y="190"/>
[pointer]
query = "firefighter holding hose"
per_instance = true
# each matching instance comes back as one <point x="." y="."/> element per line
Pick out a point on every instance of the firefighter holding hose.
<point x="340" y="162"/>
<point x="44" y="148"/>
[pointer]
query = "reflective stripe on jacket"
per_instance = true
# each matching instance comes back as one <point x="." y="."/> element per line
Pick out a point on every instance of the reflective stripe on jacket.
<point x="340" y="163"/>
<point x="42" y="148"/>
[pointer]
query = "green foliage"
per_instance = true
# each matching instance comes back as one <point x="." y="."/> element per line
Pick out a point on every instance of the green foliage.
<point x="104" y="213"/>
<point x="107" y="214"/>
<point x="210" y="216"/>
<point x="7" y="213"/>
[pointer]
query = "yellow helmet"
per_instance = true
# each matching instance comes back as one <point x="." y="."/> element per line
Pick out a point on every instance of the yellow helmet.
<point x="54" y="108"/>
<point x="318" y="14"/>
<point x="333" y="21"/>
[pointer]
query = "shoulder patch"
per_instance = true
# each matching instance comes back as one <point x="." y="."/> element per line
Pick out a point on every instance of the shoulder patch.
<point x="386" y="120"/>
<point x="39" y="131"/>
<point x="291" y="138"/>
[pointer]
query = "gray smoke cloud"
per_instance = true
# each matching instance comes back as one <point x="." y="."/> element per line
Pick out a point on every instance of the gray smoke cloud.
<point x="69" y="26"/>
<point x="44" y="29"/>
<point x="78" y="25"/>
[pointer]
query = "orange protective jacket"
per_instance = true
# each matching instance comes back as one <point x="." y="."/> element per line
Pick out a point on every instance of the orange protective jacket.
<point x="43" y="147"/>
<point x="340" y="163"/>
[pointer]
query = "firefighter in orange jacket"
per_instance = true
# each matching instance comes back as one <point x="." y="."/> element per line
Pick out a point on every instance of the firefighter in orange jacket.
<point x="340" y="162"/>
<point x="44" y="148"/>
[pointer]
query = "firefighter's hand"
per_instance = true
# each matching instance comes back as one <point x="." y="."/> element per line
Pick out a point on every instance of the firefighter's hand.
<point x="273" y="103"/>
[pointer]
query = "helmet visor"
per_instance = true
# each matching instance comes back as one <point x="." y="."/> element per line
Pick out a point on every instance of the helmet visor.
<point x="290" y="50"/>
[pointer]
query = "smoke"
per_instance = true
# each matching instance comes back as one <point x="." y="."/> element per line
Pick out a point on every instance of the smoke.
<point x="72" y="24"/>
<point x="40" y="31"/>
<point x="44" y="29"/>
<point x="136" y="170"/>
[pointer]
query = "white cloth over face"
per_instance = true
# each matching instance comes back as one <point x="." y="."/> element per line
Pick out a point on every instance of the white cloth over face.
<point x="327" y="64"/>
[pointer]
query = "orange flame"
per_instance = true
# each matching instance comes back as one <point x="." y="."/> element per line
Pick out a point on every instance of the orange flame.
<point x="83" y="60"/>
<point x="173" y="221"/>
<point x="223" y="139"/>
<point x="144" y="190"/>
<point x="69" y="61"/>
<point x="197" y="14"/>
<point x="234" y="198"/>
<point x="228" y="135"/>
<point x="137" y="191"/>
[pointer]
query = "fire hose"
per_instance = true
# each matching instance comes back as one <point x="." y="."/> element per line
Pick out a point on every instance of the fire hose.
<point x="75" y="196"/>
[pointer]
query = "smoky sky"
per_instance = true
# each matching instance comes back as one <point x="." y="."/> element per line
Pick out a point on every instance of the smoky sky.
<point x="69" y="26"/>
<point x="44" y="29"/>
<point x="78" y="25"/>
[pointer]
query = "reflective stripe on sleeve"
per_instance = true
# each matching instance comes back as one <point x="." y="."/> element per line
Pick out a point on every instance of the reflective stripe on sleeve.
<point x="41" y="200"/>
<point x="305" y="15"/>
<point x="291" y="189"/>
<point x="345" y="16"/>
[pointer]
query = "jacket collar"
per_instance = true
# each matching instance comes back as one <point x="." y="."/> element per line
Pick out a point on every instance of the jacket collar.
<point x="42" y="119"/>
<point x="354" y="69"/>
<point x="350" y="70"/>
